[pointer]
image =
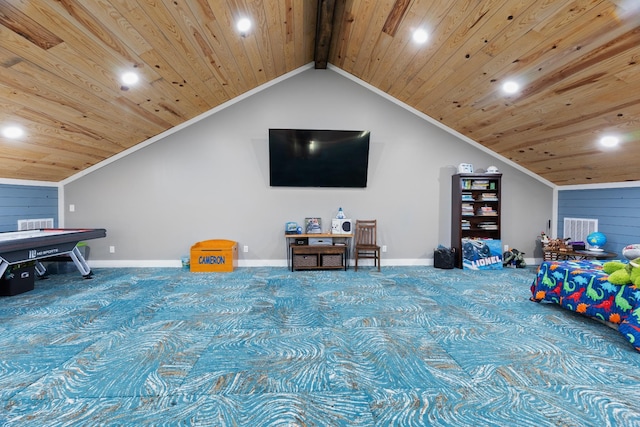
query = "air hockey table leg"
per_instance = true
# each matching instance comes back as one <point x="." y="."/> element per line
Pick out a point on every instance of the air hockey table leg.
<point x="41" y="270"/>
<point x="3" y="267"/>
<point x="80" y="263"/>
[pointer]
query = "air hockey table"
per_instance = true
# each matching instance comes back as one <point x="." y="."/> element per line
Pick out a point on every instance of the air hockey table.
<point x="35" y="245"/>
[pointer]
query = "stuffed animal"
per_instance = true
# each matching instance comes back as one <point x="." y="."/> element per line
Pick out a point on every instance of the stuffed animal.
<point x="515" y="258"/>
<point x="621" y="273"/>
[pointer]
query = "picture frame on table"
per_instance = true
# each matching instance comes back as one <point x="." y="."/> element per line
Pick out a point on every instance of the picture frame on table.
<point x="313" y="225"/>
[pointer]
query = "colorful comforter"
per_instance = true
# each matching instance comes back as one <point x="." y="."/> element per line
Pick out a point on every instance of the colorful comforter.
<point x="582" y="286"/>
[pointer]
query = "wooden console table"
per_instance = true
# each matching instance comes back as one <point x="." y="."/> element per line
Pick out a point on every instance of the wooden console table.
<point x="556" y="254"/>
<point x="332" y="256"/>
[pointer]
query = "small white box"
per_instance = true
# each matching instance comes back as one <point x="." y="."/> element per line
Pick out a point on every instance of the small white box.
<point x="341" y="226"/>
<point x="465" y="168"/>
<point x="320" y="241"/>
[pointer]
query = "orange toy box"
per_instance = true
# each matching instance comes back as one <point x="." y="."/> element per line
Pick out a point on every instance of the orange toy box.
<point x="214" y="256"/>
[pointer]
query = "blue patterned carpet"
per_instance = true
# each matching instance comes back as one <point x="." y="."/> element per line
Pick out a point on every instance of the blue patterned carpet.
<point x="410" y="346"/>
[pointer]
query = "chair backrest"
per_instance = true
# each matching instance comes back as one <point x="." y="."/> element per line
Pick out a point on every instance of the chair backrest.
<point x="366" y="233"/>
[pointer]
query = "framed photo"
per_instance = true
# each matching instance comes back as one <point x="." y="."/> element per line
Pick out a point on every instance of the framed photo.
<point x="313" y="225"/>
<point x="465" y="168"/>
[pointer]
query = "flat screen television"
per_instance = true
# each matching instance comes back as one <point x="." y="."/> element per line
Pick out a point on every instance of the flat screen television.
<point x="318" y="158"/>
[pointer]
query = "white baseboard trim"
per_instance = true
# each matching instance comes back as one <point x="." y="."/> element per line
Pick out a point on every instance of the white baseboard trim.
<point x="263" y="263"/>
<point x="168" y="263"/>
<point x="241" y="263"/>
<point x="137" y="263"/>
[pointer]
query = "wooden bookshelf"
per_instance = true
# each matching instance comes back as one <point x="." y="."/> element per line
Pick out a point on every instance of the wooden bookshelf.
<point x="475" y="208"/>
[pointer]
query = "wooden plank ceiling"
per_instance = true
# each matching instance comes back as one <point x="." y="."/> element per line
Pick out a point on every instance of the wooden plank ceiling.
<point x="577" y="61"/>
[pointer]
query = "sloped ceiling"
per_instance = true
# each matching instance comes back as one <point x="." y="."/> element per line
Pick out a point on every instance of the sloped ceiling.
<point x="576" y="61"/>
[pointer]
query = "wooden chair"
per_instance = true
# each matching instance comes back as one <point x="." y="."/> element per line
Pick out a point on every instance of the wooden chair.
<point x="366" y="245"/>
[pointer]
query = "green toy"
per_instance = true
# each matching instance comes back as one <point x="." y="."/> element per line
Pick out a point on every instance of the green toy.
<point x="621" y="273"/>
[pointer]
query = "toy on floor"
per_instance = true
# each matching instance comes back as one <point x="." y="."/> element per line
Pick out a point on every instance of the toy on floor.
<point x="513" y="257"/>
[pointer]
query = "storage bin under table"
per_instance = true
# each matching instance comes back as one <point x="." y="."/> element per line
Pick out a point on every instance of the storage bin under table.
<point x="311" y="257"/>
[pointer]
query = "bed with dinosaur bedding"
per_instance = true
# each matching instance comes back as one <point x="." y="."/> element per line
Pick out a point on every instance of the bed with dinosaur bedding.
<point x="582" y="286"/>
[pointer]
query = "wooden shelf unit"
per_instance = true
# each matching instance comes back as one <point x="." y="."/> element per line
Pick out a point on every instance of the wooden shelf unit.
<point x="475" y="208"/>
<point x="319" y="257"/>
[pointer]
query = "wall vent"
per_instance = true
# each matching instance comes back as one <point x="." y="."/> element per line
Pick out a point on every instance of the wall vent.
<point x="579" y="228"/>
<point x="34" y="224"/>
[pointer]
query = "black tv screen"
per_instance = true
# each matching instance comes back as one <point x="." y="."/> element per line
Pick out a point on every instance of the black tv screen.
<point x="318" y="158"/>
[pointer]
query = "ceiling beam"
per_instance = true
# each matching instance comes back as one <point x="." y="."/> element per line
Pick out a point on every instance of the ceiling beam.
<point x="20" y="23"/>
<point x="324" y="30"/>
<point x="395" y="17"/>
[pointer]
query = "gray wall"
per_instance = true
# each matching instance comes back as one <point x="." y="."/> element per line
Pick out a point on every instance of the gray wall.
<point x="211" y="181"/>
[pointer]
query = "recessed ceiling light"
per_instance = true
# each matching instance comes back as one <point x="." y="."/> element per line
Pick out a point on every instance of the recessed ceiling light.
<point x="510" y="87"/>
<point x="244" y="25"/>
<point x="12" y="132"/>
<point x="420" y="36"/>
<point x="609" y="141"/>
<point x="129" y="78"/>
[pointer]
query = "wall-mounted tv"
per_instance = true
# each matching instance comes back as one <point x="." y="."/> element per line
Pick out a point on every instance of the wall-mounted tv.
<point x="318" y="158"/>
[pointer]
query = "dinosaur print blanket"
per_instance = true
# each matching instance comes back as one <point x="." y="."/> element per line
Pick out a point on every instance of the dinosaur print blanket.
<point x="582" y="286"/>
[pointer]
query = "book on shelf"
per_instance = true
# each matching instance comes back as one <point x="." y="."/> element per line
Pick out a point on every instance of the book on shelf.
<point x="489" y="197"/>
<point x="487" y="211"/>
<point x="480" y="184"/>
<point x="487" y="225"/>
<point x="475" y="184"/>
